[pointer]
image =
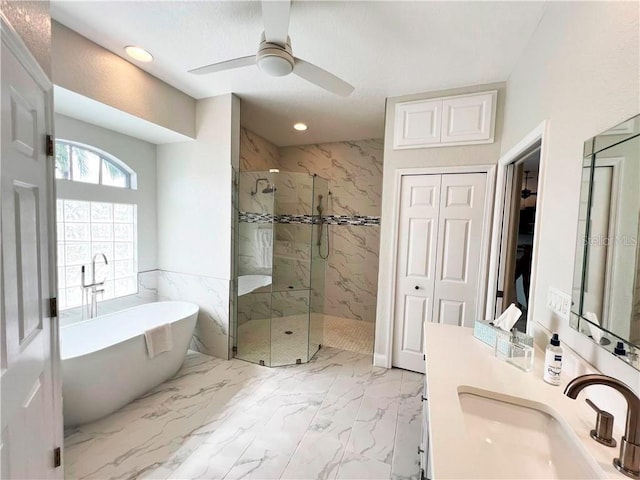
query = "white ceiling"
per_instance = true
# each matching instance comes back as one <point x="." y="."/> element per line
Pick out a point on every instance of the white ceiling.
<point x="384" y="49"/>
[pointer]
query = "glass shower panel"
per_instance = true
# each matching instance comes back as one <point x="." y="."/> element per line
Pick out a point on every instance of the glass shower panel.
<point x="280" y="269"/>
<point x="254" y="264"/>
<point x="319" y="255"/>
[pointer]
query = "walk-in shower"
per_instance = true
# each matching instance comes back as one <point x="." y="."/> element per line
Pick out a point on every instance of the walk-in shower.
<point x="280" y="262"/>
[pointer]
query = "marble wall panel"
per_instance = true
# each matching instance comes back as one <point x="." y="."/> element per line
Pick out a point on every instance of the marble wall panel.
<point x="352" y="272"/>
<point x="254" y="306"/>
<point x="211" y="336"/>
<point x="256" y="153"/>
<point x="250" y="196"/>
<point x="354" y="173"/>
<point x="285" y="304"/>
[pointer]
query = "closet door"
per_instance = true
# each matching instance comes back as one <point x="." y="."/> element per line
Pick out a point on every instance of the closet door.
<point x="416" y="267"/>
<point x="460" y="231"/>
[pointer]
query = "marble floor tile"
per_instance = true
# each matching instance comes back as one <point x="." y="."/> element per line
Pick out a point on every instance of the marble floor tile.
<point x="359" y="467"/>
<point x="259" y="462"/>
<point x="373" y="439"/>
<point x="336" y="416"/>
<point x="406" y="460"/>
<point x="320" y="451"/>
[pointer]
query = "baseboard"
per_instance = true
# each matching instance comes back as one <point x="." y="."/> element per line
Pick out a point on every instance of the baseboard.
<point x="380" y="360"/>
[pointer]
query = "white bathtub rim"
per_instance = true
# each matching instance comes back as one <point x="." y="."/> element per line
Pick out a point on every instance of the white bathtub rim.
<point x="193" y="311"/>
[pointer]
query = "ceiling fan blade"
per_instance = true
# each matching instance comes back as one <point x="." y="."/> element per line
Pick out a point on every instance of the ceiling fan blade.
<point x="275" y="16"/>
<point x="226" y="65"/>
<point x="322" y="78"/>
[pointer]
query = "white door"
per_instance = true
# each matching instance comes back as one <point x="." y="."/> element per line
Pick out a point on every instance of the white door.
<point x="437" y="276"/>
<point x="28" y="418"/>
<point x="460" y="228"/>
<point x="416" y="267"/>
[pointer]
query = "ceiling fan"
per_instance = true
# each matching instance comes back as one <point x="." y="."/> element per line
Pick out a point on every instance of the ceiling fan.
<point x="275" y="56"/>
<point x="526" y="193"/>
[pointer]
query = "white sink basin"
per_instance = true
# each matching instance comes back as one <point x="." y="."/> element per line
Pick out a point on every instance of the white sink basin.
<point x="520" y="440"/>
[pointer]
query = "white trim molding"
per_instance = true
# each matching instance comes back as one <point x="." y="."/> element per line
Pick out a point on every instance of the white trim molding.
<point x="386" y="281"/>
<point x="537" y="134"/>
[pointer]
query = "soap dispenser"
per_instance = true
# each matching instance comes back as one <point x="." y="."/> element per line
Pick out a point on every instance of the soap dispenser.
<point x="619" y="351"/>
<point x="553" y="361"/>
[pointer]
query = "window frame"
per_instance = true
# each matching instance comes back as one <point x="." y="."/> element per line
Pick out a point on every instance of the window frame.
<point x="129" y="173"/>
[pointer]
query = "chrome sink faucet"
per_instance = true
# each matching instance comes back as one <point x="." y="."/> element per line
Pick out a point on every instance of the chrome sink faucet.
<point x="629" y="461"/>
<point x="92" y="288"/>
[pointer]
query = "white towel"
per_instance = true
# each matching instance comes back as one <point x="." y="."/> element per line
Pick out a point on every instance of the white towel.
<point x="264" y="247"/>
<point x="159" y="339"/>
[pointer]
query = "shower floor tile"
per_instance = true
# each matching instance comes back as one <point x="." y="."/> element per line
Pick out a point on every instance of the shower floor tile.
<point x="234" y="419"/>
<point x="283" y="340"/>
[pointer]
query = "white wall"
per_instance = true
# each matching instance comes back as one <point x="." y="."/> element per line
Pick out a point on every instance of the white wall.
<point x="486" y="154"/>
<point x="195" y="218"/>
<point x="86" y="68"/>
<point x="32" y="22"/>
<point x="194" y="194"/>
<point x="580" y="72"/>
<point x="137" y="154"/>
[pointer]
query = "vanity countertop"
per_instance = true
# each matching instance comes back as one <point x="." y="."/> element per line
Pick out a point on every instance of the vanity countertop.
<point x="455" y="360"/>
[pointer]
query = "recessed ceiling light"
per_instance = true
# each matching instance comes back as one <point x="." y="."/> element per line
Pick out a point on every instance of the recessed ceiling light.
<point x="301" y="127"/>
<point x="274" y="170"/>
<point x="138" y="53"/>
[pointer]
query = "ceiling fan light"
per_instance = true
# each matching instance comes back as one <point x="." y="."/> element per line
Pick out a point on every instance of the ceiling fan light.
<point x="275" y="65"/>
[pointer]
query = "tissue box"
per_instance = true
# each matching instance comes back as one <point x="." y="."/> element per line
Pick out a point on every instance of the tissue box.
<point x="488" y="334"/>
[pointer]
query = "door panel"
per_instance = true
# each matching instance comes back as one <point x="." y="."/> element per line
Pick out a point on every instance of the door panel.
<point x="419" y="205"/>
<point x="419" y="248"/>
<point x="451" y="312"/>
<point x="460" y="229"/>
<point x="415" y="308"/>
<point x="455" y="254"/>
<point x="28" y="418"/>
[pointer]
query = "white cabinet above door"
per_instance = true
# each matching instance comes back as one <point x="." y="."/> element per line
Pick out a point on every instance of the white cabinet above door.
<point x="468" y="119"/>
<point x="417" y="124"/>
<point x="448" y="121"/>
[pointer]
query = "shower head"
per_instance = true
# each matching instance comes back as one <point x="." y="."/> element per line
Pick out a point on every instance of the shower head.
<point x="270" y="188"/>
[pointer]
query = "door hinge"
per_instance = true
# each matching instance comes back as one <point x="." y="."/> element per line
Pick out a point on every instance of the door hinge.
<point x="53" y="307"/>
<point x="499" y="294"/>
<point x="49" y="146"/>
<point x="57" y="457"/>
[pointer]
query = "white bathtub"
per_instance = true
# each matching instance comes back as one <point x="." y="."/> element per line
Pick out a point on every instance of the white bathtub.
<point x="105" y="363"/>
<point x="249" y="283"/>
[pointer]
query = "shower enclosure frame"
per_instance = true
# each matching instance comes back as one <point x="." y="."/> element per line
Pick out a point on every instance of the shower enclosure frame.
<point x="279" y="323"/>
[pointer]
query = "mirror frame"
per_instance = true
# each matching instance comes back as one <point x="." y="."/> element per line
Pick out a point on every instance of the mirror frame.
<point x="630" y="129"/>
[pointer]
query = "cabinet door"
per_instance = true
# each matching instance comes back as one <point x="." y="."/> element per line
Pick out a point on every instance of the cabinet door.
<point x="417" y="124"/>
<point x="468" y="119"/>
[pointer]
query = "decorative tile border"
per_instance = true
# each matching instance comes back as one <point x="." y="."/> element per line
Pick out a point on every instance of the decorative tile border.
<point x="354" y="220"/>
<point x="357" y="220"/>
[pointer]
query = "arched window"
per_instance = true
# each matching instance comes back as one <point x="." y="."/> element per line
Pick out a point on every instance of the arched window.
<point x="94" y="221"/>
<point x="81" y="163"/>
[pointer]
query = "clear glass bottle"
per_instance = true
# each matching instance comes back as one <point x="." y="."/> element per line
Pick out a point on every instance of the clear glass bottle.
<point x="553" y="361"/>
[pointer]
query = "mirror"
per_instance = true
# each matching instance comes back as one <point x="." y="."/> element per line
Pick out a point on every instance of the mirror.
<point x="606" y="285"/>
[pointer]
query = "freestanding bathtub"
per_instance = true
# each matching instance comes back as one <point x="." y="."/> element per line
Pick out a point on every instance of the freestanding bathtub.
<point x="105" y="363"/>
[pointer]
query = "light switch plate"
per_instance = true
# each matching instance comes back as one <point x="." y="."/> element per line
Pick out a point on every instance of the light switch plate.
<point x="559" y="302"/>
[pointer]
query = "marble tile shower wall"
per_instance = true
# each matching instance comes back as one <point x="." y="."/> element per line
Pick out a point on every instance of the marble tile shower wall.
<point x="354" y="172"/>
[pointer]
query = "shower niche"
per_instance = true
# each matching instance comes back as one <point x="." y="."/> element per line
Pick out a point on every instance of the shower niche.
<point x="282" y="244"/>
